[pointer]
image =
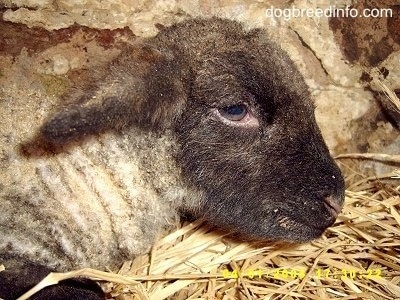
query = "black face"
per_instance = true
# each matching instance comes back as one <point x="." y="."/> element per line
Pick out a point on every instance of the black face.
<point x="243" y="118"/>
<point x="251" y="146"/>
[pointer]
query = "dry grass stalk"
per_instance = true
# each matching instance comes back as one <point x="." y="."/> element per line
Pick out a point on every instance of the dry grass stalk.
<point x="372" y="156"/>
<point x="357" y="258"/>
<point x="389" y="93"/>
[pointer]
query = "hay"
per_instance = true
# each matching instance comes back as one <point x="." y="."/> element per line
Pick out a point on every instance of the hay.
<point x="391" y="98"/>
<point x="357" y="258"/>
<point x="372" y="156"/>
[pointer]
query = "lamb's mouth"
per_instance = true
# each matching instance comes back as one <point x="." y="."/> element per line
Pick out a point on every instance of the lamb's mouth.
<point x="289" y="224"/>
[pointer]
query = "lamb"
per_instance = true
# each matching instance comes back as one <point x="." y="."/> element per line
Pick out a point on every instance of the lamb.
<point x="205" y="118"/>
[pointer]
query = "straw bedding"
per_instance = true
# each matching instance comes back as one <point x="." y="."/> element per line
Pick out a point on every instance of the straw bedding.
<point x="357" y="258"/>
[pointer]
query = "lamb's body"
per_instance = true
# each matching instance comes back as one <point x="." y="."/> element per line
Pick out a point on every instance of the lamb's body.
<point x="97" y="204"/>
<point x="204" y="117"/>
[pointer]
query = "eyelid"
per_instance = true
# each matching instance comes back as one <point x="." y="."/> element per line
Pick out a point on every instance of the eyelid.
<point x="234" y="112"/>
<point x="250" y="119"/>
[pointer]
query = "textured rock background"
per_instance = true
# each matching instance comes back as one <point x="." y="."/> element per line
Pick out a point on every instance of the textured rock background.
<point x="335" y="55"/>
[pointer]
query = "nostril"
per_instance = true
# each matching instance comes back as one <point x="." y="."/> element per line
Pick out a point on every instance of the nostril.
<point x="333" y="205"/>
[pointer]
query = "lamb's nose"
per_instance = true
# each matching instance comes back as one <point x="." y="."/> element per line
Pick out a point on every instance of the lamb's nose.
<point x="333" y="205"/>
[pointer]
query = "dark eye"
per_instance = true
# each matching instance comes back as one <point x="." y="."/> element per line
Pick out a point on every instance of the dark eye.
<point x="234" y="113"/>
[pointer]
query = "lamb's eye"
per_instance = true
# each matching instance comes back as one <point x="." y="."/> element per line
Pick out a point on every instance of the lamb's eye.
<point x="237" y="115"/>
<point x="234" y="113"/>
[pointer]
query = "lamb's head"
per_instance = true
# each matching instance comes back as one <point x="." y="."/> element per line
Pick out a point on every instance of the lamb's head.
<point x="241" y="115"/>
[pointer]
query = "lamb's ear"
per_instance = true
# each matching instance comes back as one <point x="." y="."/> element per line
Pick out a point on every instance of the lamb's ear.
<point x="144" y="87"/>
